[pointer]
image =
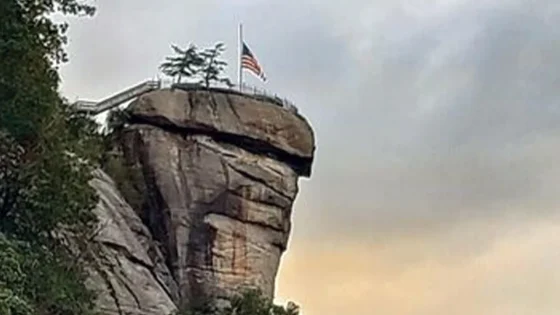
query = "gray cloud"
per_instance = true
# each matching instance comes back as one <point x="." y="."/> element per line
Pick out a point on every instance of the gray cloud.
<point x="456" y="121"/>
<point x="421" y="113"/>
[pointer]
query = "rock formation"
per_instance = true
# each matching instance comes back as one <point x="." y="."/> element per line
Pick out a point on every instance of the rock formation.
<point x="129" y="272"/>
<point x="210" y="177"/>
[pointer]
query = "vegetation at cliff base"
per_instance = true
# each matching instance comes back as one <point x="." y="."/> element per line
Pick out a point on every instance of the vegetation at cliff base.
<point x="47" y="152"/>
<point x="247" y="302"/>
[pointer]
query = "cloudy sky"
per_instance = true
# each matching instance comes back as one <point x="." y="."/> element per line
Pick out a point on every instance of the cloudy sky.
<point x="436" y="184"/>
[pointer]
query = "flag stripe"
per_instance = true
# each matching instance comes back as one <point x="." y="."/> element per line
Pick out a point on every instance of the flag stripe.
<point x="252" y="63"/>
<point x="255" y="71"/>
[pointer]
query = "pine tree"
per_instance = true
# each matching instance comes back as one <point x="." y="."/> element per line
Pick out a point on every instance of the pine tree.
<point x="198" y="67"/>
<point x="213" y="67"/>
<point x="185" y="64"/>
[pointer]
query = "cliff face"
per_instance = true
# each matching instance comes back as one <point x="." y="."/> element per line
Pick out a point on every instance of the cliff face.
<point x="211" y="178"/>
<point x="129" y="271"/>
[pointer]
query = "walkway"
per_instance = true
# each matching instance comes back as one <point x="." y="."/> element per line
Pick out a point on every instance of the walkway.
<point x="95" y="108"/>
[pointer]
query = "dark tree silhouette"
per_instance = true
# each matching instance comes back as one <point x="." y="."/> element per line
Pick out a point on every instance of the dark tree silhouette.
<point x="185" y="63"/>
<point x="213" y="67"/>
<point x="199" y="67"/>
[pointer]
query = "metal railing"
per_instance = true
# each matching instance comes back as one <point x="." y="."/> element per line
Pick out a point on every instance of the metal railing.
<point x="255" y="91"/>
<point x="244" y="89"/>
<point x="113" y="101"/>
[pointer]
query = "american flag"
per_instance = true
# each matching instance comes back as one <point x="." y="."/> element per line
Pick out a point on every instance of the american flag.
<point x="249" y="62"/>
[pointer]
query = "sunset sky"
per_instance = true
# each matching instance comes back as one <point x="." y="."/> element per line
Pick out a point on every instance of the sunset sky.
<point x="435" y="189"/>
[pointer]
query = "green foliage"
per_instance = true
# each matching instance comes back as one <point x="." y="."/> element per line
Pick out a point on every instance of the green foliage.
<point x="186" y="63"/>
<point x="116" y="120"/>
<point x="198" y="67"/>
<point x="249" y="302"/>
<point x="213" y="67"/>
<point x="51" y="188"/>
<point x="12" y="304"/>
<point x="47" y="153"/>
<point x="252" y="302"/>
<point x="12" y="301"/>
<point x="30" y="48"/>
<point x="37" y="280"/>
<point x="128" y="177"/>
<point x="52" y="36"/>
<point x="10" y="162"/>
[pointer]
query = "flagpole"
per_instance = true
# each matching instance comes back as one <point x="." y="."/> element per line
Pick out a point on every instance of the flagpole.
<point x="240" y="52"/>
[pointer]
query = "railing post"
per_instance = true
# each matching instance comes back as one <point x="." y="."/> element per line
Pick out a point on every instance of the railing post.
<point x="256" y="91"/>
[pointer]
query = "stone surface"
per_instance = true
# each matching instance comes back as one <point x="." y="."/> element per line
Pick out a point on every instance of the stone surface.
<point x="237" y="118"/>
<point x="128" y="271"/>
<point x="213" y="177"/>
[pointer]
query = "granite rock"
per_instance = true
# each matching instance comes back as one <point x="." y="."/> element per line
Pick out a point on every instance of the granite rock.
<point x="212" y="178"/>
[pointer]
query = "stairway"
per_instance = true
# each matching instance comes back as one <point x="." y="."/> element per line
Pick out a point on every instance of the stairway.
<point x="95" y="108"/>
